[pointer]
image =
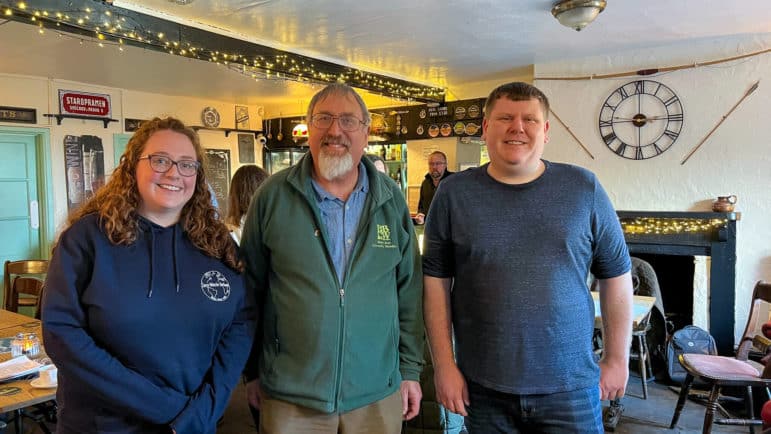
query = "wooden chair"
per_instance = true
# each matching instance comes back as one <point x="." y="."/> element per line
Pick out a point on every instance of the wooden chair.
<point x="22" y="283"/>
<point x="720" y="371"/>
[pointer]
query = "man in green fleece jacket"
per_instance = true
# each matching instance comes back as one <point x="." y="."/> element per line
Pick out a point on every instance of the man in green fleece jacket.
<point x="331" y="254"/>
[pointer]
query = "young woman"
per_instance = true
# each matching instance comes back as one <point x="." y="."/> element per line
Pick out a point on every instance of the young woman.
<point x="145" y="311"/>
<point x="242" y="187"/>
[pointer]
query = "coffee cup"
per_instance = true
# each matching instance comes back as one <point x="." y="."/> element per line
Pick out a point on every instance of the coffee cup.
<point x="48" y="374"/>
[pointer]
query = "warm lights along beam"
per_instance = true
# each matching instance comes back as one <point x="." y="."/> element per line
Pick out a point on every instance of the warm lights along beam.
<point x="664" y="226"/>
<point x="108" y="24"/>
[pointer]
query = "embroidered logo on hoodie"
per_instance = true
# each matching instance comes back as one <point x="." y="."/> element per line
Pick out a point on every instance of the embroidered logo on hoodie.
<point x="215" y="286"/>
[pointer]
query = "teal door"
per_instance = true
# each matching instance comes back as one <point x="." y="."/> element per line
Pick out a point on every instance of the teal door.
<point x="119" y="142"/>
<point x="20" y="217"/>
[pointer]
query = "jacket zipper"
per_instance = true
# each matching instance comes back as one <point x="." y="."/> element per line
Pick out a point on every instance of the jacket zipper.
<point x="341" y="337"/>
<point x="341" y="331"/>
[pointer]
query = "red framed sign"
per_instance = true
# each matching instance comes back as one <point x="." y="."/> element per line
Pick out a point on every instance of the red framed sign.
<point x="84" y="104"/>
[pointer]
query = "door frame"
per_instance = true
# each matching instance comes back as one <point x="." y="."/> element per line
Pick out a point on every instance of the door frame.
<point x="45" y="190"/>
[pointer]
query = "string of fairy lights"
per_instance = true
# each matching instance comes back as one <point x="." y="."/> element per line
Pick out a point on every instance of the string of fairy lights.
<point x="671" y="226"/>
<point x="104" y="25"/>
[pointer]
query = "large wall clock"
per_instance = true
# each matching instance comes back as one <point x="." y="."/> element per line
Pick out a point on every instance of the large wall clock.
<point x="641" y="119"/>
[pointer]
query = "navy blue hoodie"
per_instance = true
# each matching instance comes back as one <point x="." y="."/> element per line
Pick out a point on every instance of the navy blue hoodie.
<point x="147" y="336"/>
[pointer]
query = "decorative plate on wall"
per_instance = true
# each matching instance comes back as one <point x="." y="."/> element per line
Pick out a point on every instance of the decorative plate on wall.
<point x="210" y="117"/>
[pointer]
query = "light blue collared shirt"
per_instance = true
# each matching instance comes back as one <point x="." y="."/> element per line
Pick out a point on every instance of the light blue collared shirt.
<point x="341" y="220"/>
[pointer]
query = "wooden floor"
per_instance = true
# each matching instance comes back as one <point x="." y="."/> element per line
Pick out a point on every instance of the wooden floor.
<point x="639" y="416"/>
<point x="654" y="414"/>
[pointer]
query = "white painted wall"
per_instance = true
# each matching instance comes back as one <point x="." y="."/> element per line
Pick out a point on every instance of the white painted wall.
<point x="736" y="159"/>
<point x="42" y="94"/>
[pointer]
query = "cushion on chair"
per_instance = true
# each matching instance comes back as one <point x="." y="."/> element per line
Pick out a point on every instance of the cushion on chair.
<point x="720" y="367"/>
<point x="766" y="329"/>
<point x="765" y="415"/>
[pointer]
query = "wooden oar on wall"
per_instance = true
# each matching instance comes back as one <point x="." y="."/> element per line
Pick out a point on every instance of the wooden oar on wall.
<point x="695" y="148"/>
<point x="571" y="133"/>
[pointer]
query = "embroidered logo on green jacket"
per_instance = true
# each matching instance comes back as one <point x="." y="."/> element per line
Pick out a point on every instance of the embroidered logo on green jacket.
<point x="384" y="237"/>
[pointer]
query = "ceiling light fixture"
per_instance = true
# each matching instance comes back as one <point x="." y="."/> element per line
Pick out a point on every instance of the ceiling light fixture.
<point x="182" y="2"/>
<point x="577" y="14"/>
<point x="300" y="132"/>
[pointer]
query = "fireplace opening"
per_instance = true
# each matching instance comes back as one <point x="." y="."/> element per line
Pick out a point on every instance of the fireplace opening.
<point x="707" y="240"/>
<point x="675" y="274"/>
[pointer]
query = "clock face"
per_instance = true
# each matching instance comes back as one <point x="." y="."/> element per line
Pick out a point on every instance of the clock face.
<point x="641" y="119"/>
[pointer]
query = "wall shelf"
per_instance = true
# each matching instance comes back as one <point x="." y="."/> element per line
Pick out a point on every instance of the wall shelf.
<point x="59" y="118"/>
<point x="227" y="130"/>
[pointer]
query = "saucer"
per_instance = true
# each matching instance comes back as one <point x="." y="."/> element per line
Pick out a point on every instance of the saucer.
<point x="40" y="383"/>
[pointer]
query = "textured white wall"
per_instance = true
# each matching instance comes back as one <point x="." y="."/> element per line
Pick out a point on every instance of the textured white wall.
<point x="736" y="159"/>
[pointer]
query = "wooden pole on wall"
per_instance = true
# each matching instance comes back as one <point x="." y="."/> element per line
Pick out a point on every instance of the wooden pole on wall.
<point x="696" y="148"/>
<point x="571" y="133"/>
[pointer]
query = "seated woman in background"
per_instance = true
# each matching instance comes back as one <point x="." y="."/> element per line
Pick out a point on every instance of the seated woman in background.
<point x="242" y="187"/>
<point x="145" y="311"/>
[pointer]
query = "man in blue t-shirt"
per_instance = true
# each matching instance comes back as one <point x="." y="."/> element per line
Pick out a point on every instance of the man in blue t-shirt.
<point x="508" y="249"/>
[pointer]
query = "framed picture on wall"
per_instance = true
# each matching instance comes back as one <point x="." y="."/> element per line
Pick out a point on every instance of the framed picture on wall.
<point x="219" y="175"/>
<point x="242" y="117"/>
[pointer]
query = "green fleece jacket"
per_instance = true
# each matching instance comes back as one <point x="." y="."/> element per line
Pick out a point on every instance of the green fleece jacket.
<point x="323" y="344"/>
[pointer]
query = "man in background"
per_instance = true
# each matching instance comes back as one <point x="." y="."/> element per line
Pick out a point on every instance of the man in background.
<point x="437" y="171"/>
<point x="331" y="254"/>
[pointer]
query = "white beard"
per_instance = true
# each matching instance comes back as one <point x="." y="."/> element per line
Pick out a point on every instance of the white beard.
<point x="334" y="166"/>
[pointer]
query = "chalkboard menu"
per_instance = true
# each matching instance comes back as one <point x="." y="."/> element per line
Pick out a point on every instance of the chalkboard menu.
<point x="246" y="148"/>
<point x="218" y="172"/>
<point x="455" y="118"/>
<point x="461" y="118"/>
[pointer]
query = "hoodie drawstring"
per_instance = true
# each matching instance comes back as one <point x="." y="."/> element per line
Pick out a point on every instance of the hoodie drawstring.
<point x="152" y="262"/>
<point x="174" y="258"/>
<point x="174" y="242"/>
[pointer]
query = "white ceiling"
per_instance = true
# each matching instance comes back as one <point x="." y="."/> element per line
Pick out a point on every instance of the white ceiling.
<point x="448" y="43"/>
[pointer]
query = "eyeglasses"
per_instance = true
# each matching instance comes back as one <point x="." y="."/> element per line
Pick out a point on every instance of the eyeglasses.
<point x="162" y="164"/>
<point x="347" y="122"/>
<point x="437" y="163"/>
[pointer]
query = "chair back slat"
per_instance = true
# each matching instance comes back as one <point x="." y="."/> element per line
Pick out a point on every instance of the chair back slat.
<point x="23" y="277"/>
<point x="761" y="296"/>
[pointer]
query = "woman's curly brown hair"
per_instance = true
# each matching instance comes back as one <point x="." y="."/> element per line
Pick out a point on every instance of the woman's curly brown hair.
<point x="117" y="202"/>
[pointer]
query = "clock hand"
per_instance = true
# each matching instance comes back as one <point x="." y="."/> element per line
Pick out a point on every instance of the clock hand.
<point x="654" y="118"/>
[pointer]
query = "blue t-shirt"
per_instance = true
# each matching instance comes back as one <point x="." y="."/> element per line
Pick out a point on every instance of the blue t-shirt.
<point x="520" y="256"/>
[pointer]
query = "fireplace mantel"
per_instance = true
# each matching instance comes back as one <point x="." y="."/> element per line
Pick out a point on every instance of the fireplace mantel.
<point x="710" y="234"/>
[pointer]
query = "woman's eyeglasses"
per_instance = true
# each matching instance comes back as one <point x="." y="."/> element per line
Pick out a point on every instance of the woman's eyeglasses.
<point x="162" y="164"/>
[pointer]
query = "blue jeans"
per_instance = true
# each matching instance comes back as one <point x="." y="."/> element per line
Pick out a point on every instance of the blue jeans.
<point x="577" y="411"/>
